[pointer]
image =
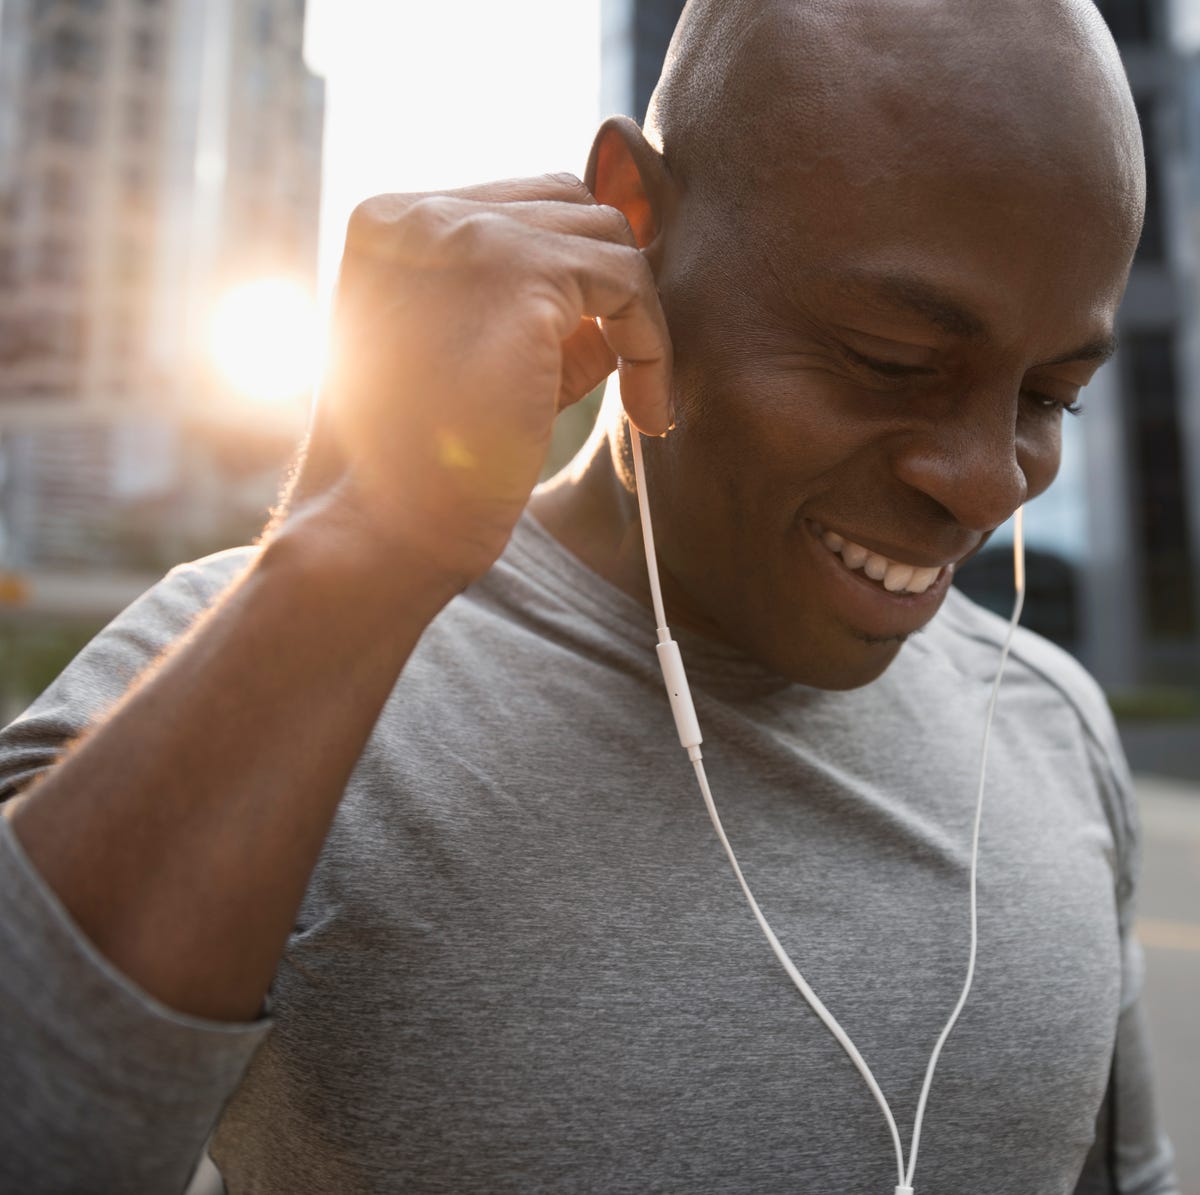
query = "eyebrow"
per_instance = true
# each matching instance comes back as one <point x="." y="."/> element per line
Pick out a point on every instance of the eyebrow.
<point x="955" y="318"/>
<point x="1099" y="350"/>
<point x="916" y="295"/>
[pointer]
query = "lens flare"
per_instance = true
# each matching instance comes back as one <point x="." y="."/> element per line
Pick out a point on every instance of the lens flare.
<point x="265" y="339"/>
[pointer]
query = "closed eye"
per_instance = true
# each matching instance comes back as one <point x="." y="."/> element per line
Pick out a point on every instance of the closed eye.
<point x="1074" y="407"/>
<point x="899" y="370"/>
<point x="891" y="370"/>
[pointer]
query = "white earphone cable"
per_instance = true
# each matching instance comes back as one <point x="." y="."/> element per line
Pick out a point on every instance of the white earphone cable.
<point x="690" y="738"/>
<point x="1019" y="582"/>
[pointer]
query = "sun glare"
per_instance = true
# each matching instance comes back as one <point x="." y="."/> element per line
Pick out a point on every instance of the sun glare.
<point x="265" y="339"/>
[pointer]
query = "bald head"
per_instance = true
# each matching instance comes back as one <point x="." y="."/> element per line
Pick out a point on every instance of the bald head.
<point x="753" y="87"/>
<point x="890" y="239"/>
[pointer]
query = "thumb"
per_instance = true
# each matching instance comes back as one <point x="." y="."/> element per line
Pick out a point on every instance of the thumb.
<point x="587" y="361"/>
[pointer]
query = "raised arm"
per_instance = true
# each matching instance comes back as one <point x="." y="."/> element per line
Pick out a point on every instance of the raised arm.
<point x="180" y="833"/>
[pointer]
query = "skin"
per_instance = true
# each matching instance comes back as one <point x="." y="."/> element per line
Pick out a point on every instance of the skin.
<point x="878" y="316"/>
<point x="732" y="262"/>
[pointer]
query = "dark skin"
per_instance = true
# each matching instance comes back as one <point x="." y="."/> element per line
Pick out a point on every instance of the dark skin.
<point x="890" y="361"/>
<point x="880" y="265"/>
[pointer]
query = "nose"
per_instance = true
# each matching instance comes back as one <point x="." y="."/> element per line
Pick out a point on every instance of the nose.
<point x="971" y="464"/>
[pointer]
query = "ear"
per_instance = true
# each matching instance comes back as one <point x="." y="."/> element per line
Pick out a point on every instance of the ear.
<point x="626" y="172"/>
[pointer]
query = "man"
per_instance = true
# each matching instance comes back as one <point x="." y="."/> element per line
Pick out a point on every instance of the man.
<point x="863" y="259"/>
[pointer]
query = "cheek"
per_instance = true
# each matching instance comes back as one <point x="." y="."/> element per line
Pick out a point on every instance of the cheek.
<point x="755" y="430"/>
<point x="751" y="442"/>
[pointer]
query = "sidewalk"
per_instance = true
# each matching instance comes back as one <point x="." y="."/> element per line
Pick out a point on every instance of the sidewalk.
<point x="1168" y="748"/>
<point x="1169" y="929"/>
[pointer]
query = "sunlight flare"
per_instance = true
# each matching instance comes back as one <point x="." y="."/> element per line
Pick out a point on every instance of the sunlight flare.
<point x="265" y="340"/>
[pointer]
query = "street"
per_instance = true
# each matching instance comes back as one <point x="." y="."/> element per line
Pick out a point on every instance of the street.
<point x="1169" y="928"/>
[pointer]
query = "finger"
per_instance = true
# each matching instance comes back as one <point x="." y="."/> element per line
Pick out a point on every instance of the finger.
<point x="384" y="235"/>
<point x="384" y="210"/>
<point x="597" y="221"/>
<point x="562" y="187"/>
<point x="615" y="285"/>
<point x="587" y="361"/>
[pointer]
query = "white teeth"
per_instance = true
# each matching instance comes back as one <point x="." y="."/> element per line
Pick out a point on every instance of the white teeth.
<point x="855" y="556"/>
<point x="896" y="577"/>
<point x="922" y="579"/>
<point x="876" y="567"/>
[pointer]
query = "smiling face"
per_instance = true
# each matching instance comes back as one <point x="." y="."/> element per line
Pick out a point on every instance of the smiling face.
<point x="879" y="315"/>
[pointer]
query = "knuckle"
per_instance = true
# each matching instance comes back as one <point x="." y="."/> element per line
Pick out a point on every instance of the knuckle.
<point x="615" y="221"/>
<point x="375" y="217"/>
<point x="636" y="271"/>
<point x="568" y="184"/>
<point x="363" y="222"/>
<point x="427" y="215"/>
<point x="470" y="231"/>
<point x="550" y="306"/>
<point x="375" y="210"/>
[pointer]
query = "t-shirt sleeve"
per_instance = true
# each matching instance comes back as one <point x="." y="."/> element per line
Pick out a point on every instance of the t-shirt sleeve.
<point x="103" y="1088"/>
<point x="1131" y="1154"/>
<point x="96" y="679"/>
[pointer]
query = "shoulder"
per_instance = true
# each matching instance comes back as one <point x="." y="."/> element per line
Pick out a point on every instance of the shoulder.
<point x="205" y="578"/>
<point x="973" y="637"/>
<point x="98" y="676"/>
<point x="1054" y="695"/>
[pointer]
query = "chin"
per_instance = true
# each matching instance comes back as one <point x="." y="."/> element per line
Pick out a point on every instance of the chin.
<point x="856" y="660"/>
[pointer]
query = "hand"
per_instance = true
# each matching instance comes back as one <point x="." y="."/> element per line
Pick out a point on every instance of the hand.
<point x="463" y="323"/>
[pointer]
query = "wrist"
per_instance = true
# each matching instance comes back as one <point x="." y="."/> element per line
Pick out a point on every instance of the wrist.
<point x="328" y="549"/>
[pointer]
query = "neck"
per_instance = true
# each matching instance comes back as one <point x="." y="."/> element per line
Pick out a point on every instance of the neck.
<point x="588" y="508"/>
<point x="591" y="508"/>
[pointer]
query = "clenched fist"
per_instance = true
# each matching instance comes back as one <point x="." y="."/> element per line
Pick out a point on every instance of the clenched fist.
<point x="463" y="323"/>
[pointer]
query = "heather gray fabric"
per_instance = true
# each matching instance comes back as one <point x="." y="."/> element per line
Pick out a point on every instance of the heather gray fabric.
<point x="522" y="963"/>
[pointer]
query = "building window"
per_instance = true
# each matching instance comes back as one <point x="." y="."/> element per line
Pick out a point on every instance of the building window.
<point x="122" y="337"/>
<point x="131" y="262"/>
<point x="59" y="193"/>
<point x="145" y="50"/>
<point x="136" y="184"/>
<point x="58" y="261"/>
<point x="69" y="120"/>
<point x="137" y="118"/>
<point x="73" y="51"/>
<point x="43" y="335"/>
<point x="1161" y="523"/>
<point x="68" y="336"/>
<point x="12" y="340"/>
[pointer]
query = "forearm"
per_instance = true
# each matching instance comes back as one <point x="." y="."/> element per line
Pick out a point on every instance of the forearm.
<point x="180" y="833"/>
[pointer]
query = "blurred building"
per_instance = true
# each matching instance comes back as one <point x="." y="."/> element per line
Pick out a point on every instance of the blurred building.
<point x="635" y="35"/>
<point x="1141" y="605"/>
<point x="152" y="152"/>
<point x="1115" y="544"/>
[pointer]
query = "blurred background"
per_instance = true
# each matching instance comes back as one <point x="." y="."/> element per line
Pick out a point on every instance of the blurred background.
<point x="175" y="178"/>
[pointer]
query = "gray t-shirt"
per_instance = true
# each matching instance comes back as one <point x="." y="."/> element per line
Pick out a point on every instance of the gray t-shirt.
<point x="522" y="963"/>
